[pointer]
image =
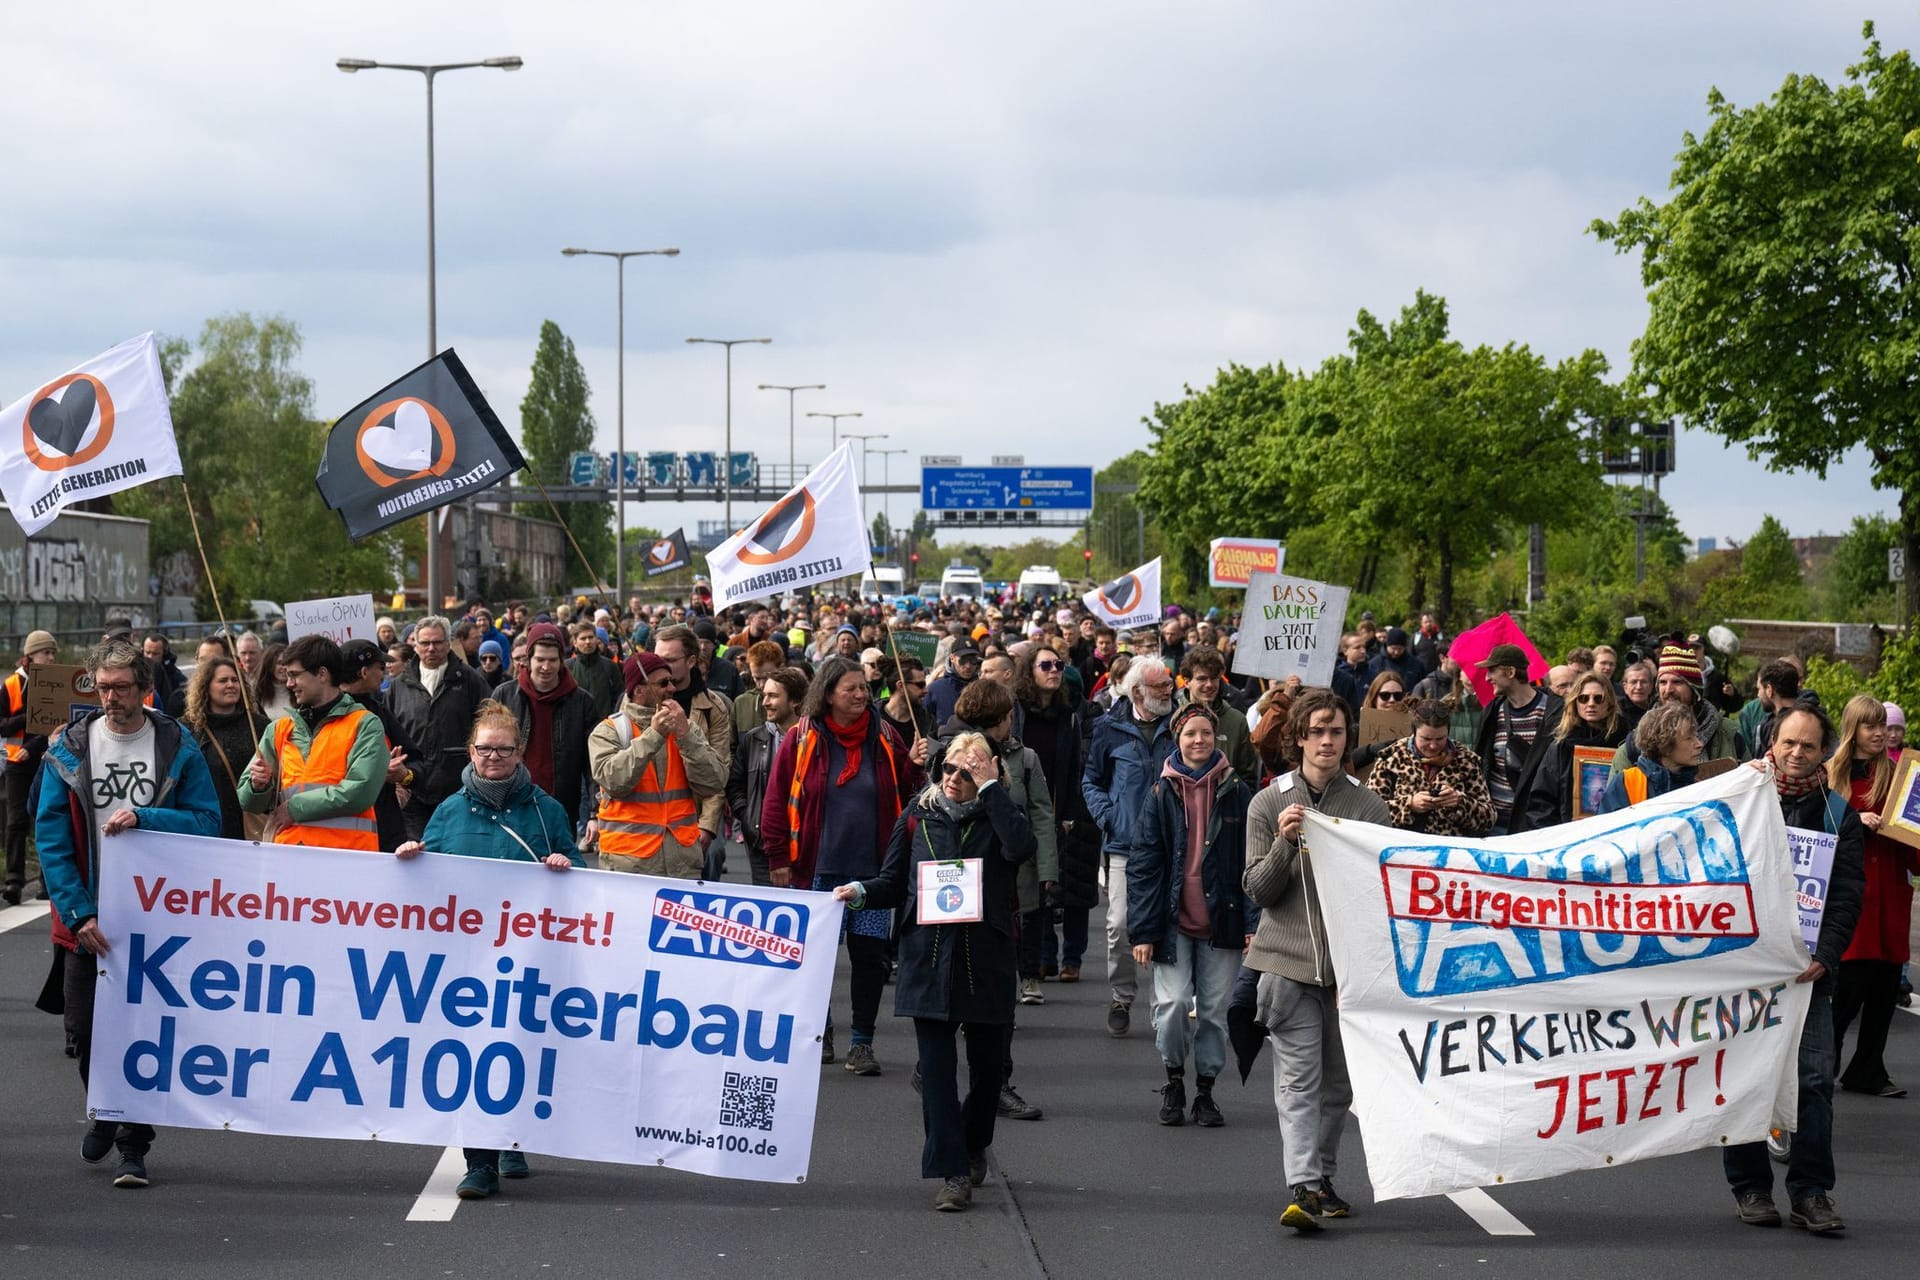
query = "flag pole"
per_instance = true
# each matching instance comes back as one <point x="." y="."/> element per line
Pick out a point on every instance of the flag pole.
<point x="898" y="674"/>
<point x="247" y="699"/>
<point x="599" y="583"/>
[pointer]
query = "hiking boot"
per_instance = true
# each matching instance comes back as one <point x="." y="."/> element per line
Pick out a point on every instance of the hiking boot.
<point x="1205" y="1113"/>
<point x="1015" y="1107"/>
<point x="1816" y="1214"/>
<point x="12" y="895"/>
<point x="1756" y="1209"/>
<point x="133" y="1173"/>
<point x="1069" y="973"/>
<point x="1331" y="1205"/>
<point x="826" y="1047"/>
<point x="482" y="1180"/>
<point x="954" y="1195"/>
<point x="513" y="1164"/>
<point x="1303" y="1211"/>
<point x="98" y="1141"/>
<point x="1030" y="991"/>
<point x="860" y="1061"/>
<point x="1119" y="1018"/>
<point x="1173" y="1102"/>
<point x="976" y="1167"/>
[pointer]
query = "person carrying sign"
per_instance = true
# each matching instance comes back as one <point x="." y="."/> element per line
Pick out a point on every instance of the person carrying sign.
<point x="319" y="771"/>
<point x="655" y="769"/>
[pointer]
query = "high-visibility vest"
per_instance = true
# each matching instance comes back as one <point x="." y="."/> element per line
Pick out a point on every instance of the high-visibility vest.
<point x="323" y="765"/>
<point x="16" y="744"/>
<point x="637" y="825"/>
<point x="802" y="757"/>
<point x="1635" y="781"/>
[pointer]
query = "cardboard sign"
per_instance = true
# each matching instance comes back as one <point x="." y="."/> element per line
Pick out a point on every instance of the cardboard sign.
<point x="338" y="618"/>
<point x="1900" y="818"/>
<point x="1714" y="768"/>
<point x="57" y="696"/>
<point x="1290" y="627"/>
<point x="1384" y="724"/>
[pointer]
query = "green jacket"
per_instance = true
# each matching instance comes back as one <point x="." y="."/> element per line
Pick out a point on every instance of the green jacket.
<point x="356" y="792"/>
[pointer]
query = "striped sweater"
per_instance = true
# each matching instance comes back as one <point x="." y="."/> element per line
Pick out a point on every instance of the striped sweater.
<point x="1292" y="938"/>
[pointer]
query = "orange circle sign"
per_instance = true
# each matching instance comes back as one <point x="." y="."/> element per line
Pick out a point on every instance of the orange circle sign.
<point x="56" y="419"/>
<point x="776" y="523"/>
<point x="380" y="472"/>
<point x="1128" y="589"/>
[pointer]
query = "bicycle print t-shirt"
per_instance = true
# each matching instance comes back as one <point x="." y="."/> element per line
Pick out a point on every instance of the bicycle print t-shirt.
<point x="124" y="774"/>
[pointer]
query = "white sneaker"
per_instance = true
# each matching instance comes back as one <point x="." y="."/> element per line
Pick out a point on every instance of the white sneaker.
<point x="1030" y="991"/>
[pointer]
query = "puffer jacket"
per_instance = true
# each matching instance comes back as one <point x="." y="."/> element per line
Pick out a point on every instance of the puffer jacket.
<point x="1122" y="763"/>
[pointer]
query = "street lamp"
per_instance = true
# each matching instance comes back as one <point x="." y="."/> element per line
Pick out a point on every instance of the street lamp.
<point x="620" y="257"/>
<point x="834" y="419"/>
<point x="726" y="462"/>
<point x="886" y="491"/>
<point x="809" y="386"/>
<point x="873" y="435"/>
<point x="435" y="585"/>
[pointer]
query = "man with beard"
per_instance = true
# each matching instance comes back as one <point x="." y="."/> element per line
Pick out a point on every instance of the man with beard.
<point x="712" y="716"/>
<point x="555" y="716"/>
<point x="1679" y="678"/>
<point x="594" y="671"/>
<point x="436" y="699"/>
<point x="656" y="770"/>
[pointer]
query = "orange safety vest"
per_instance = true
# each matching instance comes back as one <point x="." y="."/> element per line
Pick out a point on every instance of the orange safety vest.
<point x="324" y="765"/>
<point x="16" y="703"/>
<point x="637" y="825"/>
<point x="804" y="757"/>
<point x="1635" y="780"/>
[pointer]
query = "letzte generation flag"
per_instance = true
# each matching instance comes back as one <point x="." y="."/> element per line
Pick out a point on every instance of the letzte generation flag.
<point x="664" y="555"/>
<point x="422" y="441"/>
<point x="1131" y="600"/>
<point x="814" y="534"/>
<point x="96" y="430"/>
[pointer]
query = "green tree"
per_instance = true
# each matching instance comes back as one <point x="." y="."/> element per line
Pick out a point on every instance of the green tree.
<point x="1769" y="584"/>
<point x="555" y="421"/>
<point x="1781" y="276"/>
<point x="1856" y="586"/>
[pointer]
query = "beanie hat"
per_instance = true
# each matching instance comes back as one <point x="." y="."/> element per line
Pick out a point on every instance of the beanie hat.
<point x="639" y="667"/>
<point x="1896" y="718"/>
<point x="543" y="633"/>
<point x="1683" y="662"/>
<point x="38" y="641"/>
<point x="493" y="647"/>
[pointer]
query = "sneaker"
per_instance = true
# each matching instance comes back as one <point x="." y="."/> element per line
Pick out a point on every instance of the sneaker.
<point x="1890" y="1090"/>
<point x="513" y="1164"/>
<point x="133" y="1173"/>
<point x="1816" y="1214"/>
<point x="1015" y="1107"/>
<point x="1756" y="1209"/>
<point x="1205" y="1113"/>
<point x="954" y="1195"/>
<point x="1069" y="973"/>
<point x="826" y="1047"/>
<point x="976" y="1167"/>
<point x="860" y="1061"/>
<point x="1331" y="1205"/>
<point x="1779" y="1145"/>
<point x="1173" y="1102"/>
<point x="1303" y="1211"/>
<point x="1119" y="1018"/>
<point x="12" y="895"/>
<point x="482" y="1180"/>
<point x="1030" y="991"/>
<point x="98" y="1141"/>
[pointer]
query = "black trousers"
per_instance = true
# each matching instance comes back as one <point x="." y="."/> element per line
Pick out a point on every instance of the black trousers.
<point x="82" y="974"/>
<point x="867" y="980"/>
<point x="19" y="780"/>
<point x="1029" y="928"/>
<point x="956" y="1129"/>
<point x="1867" y="990"/>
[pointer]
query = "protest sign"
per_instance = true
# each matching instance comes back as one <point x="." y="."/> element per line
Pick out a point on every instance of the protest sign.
<point x="1232" y="562"/>
<point x="461" y="1002"/>
<point x="815" y="533"/>
<point x="339" y="618"/>
<point x="1812" y="873"/>
<point x="1129" y="601"/>
<point x="1573" y="998"/>
<point x="1900" y="817"/>
<point x="917" y="644"/>
<point x="1592" y="767"/>
<point x="1383" y="724"/>
<point x="57" y="695"/>
<point x="1290" y="627"/>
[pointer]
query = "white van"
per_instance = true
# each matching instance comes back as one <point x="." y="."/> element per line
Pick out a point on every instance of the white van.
<point x="961" y="582"/>
<point x="883" y="582"/>
<point x="1041" y="582"/>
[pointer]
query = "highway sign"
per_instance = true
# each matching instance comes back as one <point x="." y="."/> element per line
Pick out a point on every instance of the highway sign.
<point x="703" y="469"/>
<point x="939" y="459"/>
<point x="662" y="469"/>
<point x="1896" y="564"/>
<point x="583" y="468"/>
<point x="1006" y="488"/>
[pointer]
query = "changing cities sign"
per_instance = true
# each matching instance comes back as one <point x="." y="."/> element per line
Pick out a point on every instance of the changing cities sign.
<point x="1610" y="990"/>
<point x="1006" y="488"/>
<point x="463" y="1002"/>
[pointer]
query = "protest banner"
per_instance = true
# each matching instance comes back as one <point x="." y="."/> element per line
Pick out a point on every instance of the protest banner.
<point x="1290" y="627"/>
<point x="815" y="533"/>
<point x="1383" y="724"/>
<point x="95" y="430"/>
<point x="463" y="1002"/>
<point x="58" y="695"/>
<point x="1232" y="562"/>
<point x="1129" y="601"/>
<point x="664" y="555"/>
<point x="339" y="618"/>
<point x="916" y="644"/>
<point x="1573" y="998"/>
<point x="1812" y="872"/>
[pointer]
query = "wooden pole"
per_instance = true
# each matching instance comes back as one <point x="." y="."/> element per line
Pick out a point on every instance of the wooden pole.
<point x="219" y="611"/>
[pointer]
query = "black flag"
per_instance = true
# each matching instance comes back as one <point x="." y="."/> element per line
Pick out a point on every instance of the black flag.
<point x="424" y="440"/>
<point x="668" y="553"/>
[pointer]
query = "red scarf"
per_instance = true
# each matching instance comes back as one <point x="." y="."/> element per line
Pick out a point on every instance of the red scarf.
<point x="539" y="751"/>
<point x="851" y="738"/>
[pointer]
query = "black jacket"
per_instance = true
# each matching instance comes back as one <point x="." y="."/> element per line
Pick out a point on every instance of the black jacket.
<point x="747" y="776"/>
<point x="1548" y="802"/>
<point x="439" y="725"/>
<point x="600" y="676"/>
<point x="574" y="717"/>
<point x="1489" y="725"/>
<point x="1057" y="735"/>
<point x="1848" y="886"/>
<point x="1156" y="871"/>
<point x="386" y="807"/>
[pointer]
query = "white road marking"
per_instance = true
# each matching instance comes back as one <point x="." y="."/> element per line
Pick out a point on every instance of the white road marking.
<point x="1492" y="1216"/>
<point x="25" y="913"/>
<point x="436" y="1201"/>
<point x="1913" y="1008"/>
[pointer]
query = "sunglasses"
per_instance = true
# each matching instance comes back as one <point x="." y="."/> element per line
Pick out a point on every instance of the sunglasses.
<point x="1592" y="699"/>
<point x="954" y="771"/>
<point x="1390" y="695"/>
<point x="1049" y="666"/>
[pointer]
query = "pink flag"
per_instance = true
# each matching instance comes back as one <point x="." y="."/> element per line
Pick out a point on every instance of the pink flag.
<point x="1470" y="647"/>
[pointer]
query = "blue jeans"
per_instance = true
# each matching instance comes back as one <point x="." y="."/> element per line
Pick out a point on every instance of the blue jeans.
<point x="1810" y="1165"/>
<point x="1205" y="974"/>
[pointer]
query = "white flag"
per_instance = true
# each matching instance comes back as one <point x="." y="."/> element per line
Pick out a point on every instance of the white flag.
<point x="816" y="533"/>
<point x="102" y="428"/>
<point x="1131" y="600"/>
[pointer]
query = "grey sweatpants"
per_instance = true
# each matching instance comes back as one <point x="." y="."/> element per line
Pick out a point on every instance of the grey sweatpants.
<point x="1310" y="1086"/>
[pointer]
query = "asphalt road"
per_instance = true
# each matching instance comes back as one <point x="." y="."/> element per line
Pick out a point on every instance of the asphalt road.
<point x="1096" y="1189"/>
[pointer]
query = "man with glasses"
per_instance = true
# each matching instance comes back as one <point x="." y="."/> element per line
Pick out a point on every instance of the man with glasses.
<point x="1514" y="730"/>
<point x="943" y="692"/>
<point x="121" y="767"/>
<point x="710" y="713"/>
<point x="655" y="768"/>
<point x="436" y="699"/>
<point x="320" y="770"/>
<point x="904" y="710"/>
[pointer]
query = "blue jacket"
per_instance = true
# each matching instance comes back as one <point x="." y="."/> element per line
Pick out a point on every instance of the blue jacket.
<point x="1122" y="762"/>
<point x="943" y="695"/>
<point x="1156" y="872"/>
<point x="1352" y="684"/>
<point x="465" y="824"/>
<point x="1659" y="782"/>
<point x="186" y="804"/>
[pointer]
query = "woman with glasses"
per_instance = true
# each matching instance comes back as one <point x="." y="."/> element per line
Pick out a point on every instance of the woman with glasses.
<point x="1592" y="718"/>
<point x="1432" y="784"/>
<point x="1388" y="692"/>
<point x="497" y="813"/>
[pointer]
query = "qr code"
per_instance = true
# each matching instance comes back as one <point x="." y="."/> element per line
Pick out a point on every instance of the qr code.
<point x="746" y="1102"/>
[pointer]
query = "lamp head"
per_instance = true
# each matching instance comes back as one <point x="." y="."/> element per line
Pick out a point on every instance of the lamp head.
<point x="504" y="64"/>
<point x="351" y="65"/>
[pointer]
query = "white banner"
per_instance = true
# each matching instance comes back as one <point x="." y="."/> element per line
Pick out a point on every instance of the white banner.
<point x="461" y="1001"/>
<point x="1583" y="996"/>
<point x="95" y="430"/>
<point x="815" y="533"/>
<point x="1290" y="627"/>
<point x="340" y="618"/>
<point x="1129" y="601"/>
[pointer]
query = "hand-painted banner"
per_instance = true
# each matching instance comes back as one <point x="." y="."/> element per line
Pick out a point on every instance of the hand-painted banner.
<point x="1610" y="990"/>
<point x="1290" y="627"/>
<point x="461" y="1001"/>
<point x="339" y="618"/>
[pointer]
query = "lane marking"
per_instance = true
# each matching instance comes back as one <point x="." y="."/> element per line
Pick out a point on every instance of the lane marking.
<point x="1492" y="1216"/>
<point x="436" y="1201"/>
<point x="25" y="913"/>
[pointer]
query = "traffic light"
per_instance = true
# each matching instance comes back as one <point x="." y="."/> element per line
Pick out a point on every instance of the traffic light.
<point x="914" y="557"/>
<point x="1087" y="555"/>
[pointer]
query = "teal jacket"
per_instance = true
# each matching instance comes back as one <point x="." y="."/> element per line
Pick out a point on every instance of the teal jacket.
<point x="465" y="824"/>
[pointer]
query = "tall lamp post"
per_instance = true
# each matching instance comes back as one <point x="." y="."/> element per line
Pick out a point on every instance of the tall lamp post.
<point x="808" y="386"/>
<point x="435" y="583"/>
<point x="872" y="435"/>
<point x="886" y="496"/>
<point x="620" y="257"/>
<point x="726" y="460"/>
<point x="834" y="420"/>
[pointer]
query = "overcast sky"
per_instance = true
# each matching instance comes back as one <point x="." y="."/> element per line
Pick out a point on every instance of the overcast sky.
<point x="989" y="227"/>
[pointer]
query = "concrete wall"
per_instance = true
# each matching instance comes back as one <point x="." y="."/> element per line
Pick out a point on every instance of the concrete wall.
<point x="72" y="574"/>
